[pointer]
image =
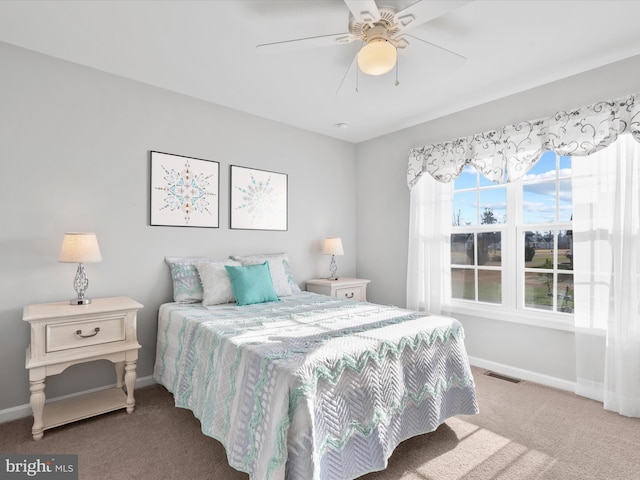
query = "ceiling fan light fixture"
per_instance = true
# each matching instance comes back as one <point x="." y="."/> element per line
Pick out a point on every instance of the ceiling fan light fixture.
<point x="377" y="57"/>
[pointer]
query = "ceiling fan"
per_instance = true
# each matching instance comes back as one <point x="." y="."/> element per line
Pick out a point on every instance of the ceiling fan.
<point x="382" y="30"/>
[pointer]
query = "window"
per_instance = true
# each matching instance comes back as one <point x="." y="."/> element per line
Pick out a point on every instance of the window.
<point x="511" y="245"/>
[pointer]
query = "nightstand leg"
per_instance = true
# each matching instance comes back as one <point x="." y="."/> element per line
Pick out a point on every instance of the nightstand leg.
<point x="130" y="381"/>
<point x="37" y="407"/>
<point x="119" y="373"/>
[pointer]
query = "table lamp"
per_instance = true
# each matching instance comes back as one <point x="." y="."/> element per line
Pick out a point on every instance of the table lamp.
<point x="333" y="247"/>
<point x="80" y="248"/>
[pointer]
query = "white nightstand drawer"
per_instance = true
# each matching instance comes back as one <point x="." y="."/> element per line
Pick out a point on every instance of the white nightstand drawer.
<point x="345" y="288"/>
<point x="65" y="336"/>
<point x="351" y="293"/>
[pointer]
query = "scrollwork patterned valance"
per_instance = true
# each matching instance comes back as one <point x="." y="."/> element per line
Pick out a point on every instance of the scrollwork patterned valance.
<point x="506" y="155"/>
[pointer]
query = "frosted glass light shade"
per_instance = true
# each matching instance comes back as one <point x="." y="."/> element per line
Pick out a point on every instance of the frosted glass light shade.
<point x="377" y="57"/>
<point x="80" y="247"/>
<point x="333" y="246"/>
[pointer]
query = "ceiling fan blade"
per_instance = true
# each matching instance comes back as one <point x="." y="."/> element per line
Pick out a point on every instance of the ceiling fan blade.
<point x="438" y="56"/>
<point x="305" y="43"/>
<point x="363" y="10"/>
<point x="424" y="11"/>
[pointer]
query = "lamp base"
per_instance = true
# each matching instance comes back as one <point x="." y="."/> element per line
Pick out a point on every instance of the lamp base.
<point x="80" y="301"/>
<point x="333" y="269"/>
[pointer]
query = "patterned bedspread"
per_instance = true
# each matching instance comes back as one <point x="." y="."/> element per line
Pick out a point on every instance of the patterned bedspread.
<point x="313" y="387"/>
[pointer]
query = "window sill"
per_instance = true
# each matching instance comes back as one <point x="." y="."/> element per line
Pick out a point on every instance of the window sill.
<point x="536" y="319"/>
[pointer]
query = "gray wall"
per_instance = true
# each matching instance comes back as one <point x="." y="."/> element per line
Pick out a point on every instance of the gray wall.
<point x="74" y="153"/>
<point x="383" y="210"/>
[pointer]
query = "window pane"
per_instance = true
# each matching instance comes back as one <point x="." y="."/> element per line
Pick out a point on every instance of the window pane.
<point x="538" y="290"/>
<point x="490" y="286"/>
<point x="565" y="209"/>
<point x="538" y="249"/>
<point x="490" y="249"/>
<point x="543" y="169"/>
<point x="462" y="249"/>
<point x="468" y="178"/>
<point x="565" y="250"/>
<point x="493" y="206"/>
<point x="565" y="293"/>
<point x="463" y="283"/>
<point x="465" y="208"/>
<point x="484" y="181"/>
<point x="539" y="202"/>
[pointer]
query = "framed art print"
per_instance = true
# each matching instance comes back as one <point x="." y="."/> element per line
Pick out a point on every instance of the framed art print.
<point x="184" y="191"/>
<point x="258" y="199"/>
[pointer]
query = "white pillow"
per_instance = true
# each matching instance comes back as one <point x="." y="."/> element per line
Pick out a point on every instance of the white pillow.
<point x="276" y="267"/>
<point x="216" y="282"/>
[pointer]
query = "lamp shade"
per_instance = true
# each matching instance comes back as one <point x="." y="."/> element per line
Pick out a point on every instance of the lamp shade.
<point x="377" y="57"/>
<point x="80" y="247"/>
<point x="333" y="246"/>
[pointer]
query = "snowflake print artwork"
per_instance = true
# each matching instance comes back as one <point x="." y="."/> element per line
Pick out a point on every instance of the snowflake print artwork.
<point x="184" y="191"/>
<point x="258" y="199"/>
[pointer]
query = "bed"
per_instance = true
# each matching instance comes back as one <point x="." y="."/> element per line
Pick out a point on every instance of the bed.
<point x="311" y="386"/>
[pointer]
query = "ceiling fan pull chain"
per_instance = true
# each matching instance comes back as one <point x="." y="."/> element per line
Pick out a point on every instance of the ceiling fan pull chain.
<point x="357" y="79"/>
<point x="397" y="63"/>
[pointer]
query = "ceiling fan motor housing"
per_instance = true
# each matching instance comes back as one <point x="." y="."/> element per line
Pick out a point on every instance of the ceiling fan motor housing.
<point x="365" y="30"/>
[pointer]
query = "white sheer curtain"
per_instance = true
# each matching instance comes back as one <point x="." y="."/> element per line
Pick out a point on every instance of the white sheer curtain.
<point x="593" y="185"/>
<point x="428" y="277"/>
<point x="606" y="221"/>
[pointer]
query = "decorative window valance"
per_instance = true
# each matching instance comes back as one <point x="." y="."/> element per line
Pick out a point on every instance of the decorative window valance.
<point x="506" y="155"/>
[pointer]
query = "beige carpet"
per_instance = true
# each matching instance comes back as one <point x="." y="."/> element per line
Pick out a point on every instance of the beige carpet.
<point x="524" y="431"/>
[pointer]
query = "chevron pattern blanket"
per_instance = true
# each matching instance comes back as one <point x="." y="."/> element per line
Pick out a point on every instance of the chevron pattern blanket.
<point x="313" y="387"/>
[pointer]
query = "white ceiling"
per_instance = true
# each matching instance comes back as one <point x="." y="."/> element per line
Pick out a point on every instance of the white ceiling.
<point x="207" y="50"/>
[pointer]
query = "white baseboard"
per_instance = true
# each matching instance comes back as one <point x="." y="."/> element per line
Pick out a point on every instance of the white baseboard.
<point x="522" y="374"/>
<point x="21" y="411"/>
<point x="590" y="389"/>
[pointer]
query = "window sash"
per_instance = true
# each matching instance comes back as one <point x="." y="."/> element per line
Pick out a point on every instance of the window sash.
<point x="513" y="266"/>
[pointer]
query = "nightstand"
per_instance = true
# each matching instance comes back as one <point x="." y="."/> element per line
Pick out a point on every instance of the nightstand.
<point x="63" y="335"/>
<point x="347" y="288"/>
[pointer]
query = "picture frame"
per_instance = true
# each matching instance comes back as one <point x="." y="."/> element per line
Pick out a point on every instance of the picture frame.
<point x="258" y="199"/>
<point x="184" y="191"/>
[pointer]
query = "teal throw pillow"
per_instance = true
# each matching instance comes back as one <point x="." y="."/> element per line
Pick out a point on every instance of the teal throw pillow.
<point x="252" y="284"/>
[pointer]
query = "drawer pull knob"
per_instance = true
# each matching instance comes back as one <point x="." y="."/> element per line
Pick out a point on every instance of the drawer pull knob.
<point x="95" y="332"/>
<point x="348" y="295"/>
